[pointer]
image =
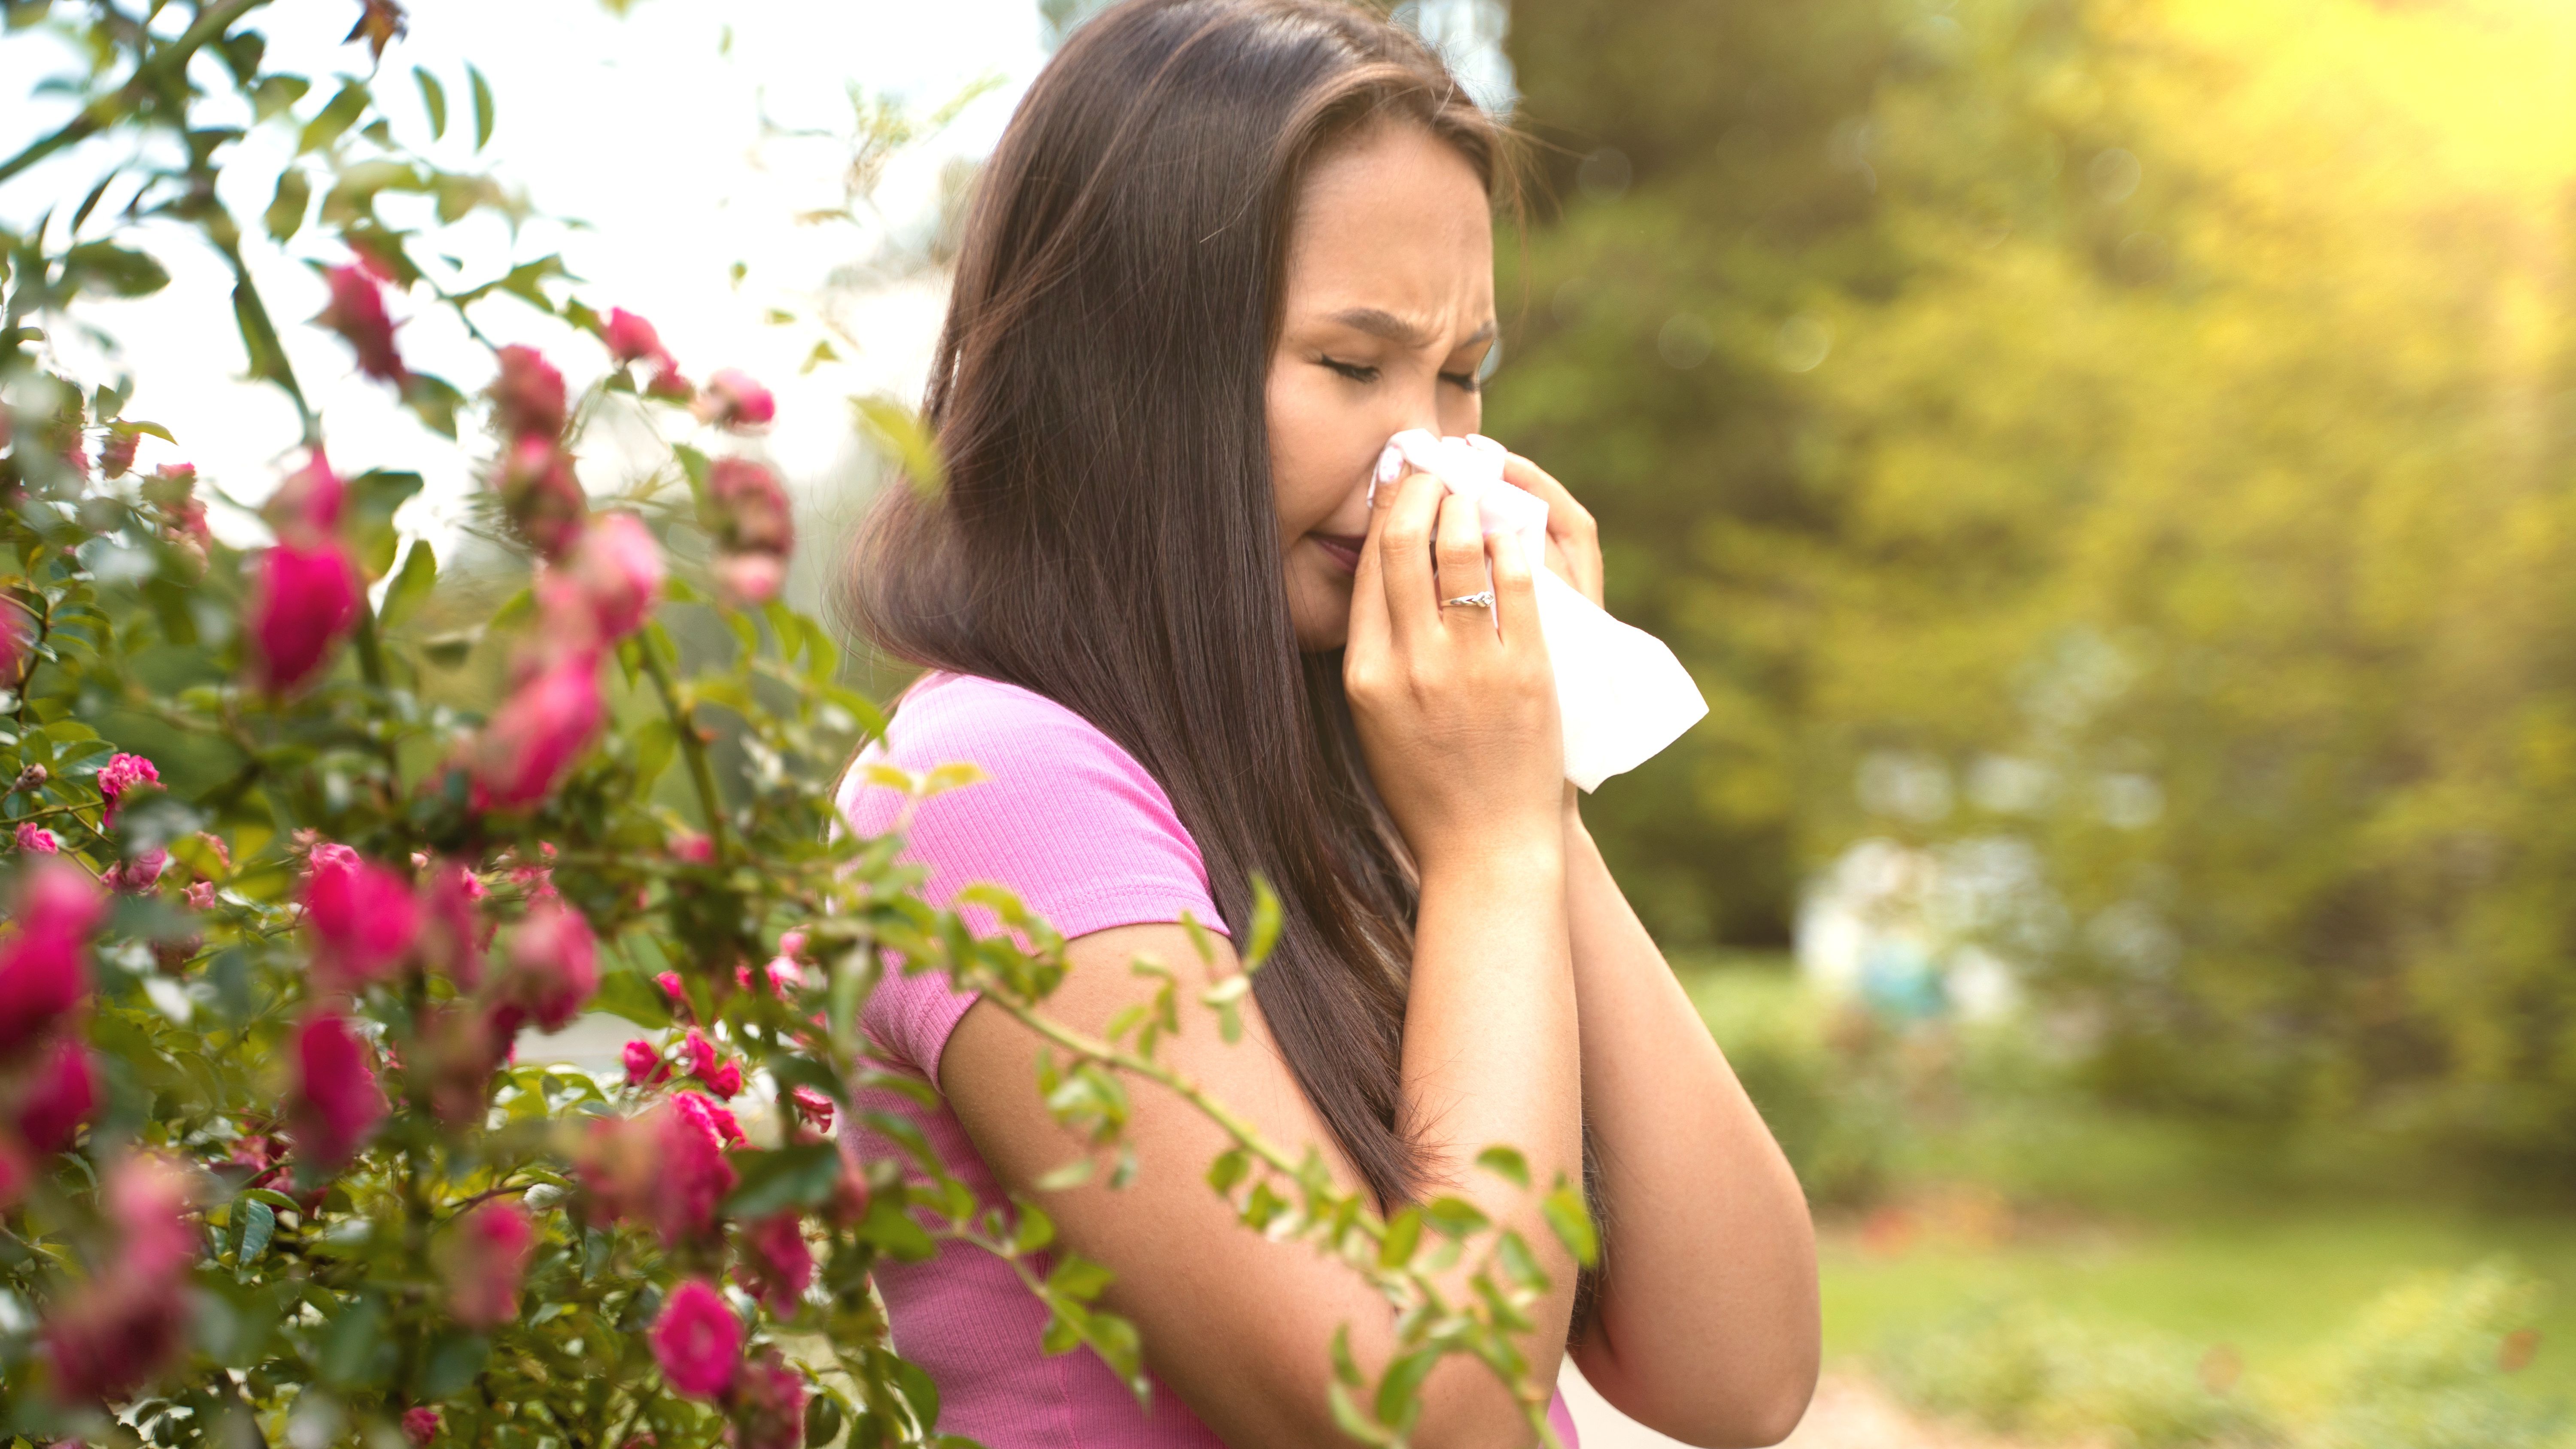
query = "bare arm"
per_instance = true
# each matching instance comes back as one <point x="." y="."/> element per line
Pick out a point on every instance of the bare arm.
<point x="1462" y="727"/>
<point x="1708" y="1327"/>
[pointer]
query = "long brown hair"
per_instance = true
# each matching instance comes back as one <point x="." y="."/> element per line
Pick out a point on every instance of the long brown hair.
<point x="1106" y="535"/>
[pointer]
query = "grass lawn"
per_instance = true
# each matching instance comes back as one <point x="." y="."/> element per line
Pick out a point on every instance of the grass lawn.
<point x="2270" y="1283"/>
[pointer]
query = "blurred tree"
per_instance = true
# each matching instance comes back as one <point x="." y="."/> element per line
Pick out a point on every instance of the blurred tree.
<point x="2149" y="422"/>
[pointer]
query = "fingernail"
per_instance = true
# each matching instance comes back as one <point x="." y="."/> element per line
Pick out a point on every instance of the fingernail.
<point x="1390" y="466"/>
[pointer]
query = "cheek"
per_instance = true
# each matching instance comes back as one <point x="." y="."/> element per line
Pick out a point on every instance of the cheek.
<point x="1306" y="471"/>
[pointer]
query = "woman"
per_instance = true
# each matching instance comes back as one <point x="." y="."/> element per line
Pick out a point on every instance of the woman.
<point x="1226" y="248"/>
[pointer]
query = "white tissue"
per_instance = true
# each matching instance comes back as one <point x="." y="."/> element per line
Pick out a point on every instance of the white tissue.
<point x="1621" y="695"/>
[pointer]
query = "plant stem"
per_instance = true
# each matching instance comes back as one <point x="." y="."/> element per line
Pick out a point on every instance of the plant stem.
<point x="99" y="114"/>
<point x="692" y="748"/>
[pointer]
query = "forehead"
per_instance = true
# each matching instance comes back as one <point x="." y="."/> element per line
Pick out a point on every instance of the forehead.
<point x="1394" y="219"/>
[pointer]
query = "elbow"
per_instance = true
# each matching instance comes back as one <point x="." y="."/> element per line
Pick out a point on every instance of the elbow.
<point x="1734" y="1412"/>
<point x="1747" y="1423"/>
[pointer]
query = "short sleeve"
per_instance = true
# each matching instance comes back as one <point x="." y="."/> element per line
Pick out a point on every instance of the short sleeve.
<point x="1064" y="818"/>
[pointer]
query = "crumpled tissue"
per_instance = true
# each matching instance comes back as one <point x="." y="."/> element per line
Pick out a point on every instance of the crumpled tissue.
<point x="1620" y="693"/>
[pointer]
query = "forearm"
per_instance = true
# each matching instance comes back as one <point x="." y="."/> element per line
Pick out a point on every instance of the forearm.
<point x="1708" y="1322"/>
<point x="1491" y="1057"/>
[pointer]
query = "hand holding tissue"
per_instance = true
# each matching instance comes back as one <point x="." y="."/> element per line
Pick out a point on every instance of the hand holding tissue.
<point x="1620" y="693"/>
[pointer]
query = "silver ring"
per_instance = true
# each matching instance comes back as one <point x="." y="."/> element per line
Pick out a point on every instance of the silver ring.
<point x="1483" y="599"/>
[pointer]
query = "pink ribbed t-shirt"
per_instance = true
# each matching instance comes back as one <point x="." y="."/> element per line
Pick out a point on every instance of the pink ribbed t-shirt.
<point x="1072" y="824"/>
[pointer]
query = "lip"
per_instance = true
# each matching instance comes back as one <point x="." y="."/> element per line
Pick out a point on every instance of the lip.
<point x="1342" y="548"/>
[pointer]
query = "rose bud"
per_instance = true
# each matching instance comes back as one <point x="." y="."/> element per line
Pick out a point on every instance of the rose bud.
<point x="357" y="313"/>
<point x="485" y="1257"/>
<point x="452" y="931"/>
<point x="527" y="396"/>
<point x="37" y="840"/>
<point x="749" y="580"/>
<point x="731" y="399"/>
<point x="777" y="1266"/>
<point x="812" y="1108"/>
<point x="694" y="1176"/>
<point x="617" y="567"/>
<point x="121" y="775"/>
<point x="17" y="642"/>
<point x="697" y="1054"/>
<point x="697" y="1340"/>
<point x="303" y="602"/>
<point x="455" y="1050"/>
<point x="669" y="386"/>
<point x="137" y="876"/>
<point x="644" y="1064"/>
<point x="540" y="493"/>
<point x="537" y="734"/>
<point x="752" y="511"/>
<point x="552" y="966"/>
<point x="61" y="1097"/>
<point x="726" y="1080"/>
<point x="632" y="339"/>
<point x="419" y="1426"/>
<point x="336" y="1101"/>
<point x="44" y="964"/>
<point x="116" y="459"/>
<point x="308" y="504"/>
<point x="364" y="920"/>
<point x="769" y="1404"/>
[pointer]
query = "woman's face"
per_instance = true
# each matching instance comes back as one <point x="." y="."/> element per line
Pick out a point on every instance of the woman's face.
<point x="1389" y="313"/>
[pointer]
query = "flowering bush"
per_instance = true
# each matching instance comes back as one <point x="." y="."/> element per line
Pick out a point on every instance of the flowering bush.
<point x="280" y="909"/>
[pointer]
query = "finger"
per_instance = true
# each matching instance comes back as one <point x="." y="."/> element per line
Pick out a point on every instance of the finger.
<point x="1404" y="557"/>
<point x="1460" y="556"/>
<point x="1515" y="594"/>
<point x="1569" y="524"/>
<point x="1368" y="633"/>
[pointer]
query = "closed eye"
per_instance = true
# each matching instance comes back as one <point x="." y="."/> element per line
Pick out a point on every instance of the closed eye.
<point x="1463" y="381"/>
<point x="1352" y="370"/>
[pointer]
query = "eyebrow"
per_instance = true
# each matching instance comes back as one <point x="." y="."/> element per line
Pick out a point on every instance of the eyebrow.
<point x="1378" y="322"/>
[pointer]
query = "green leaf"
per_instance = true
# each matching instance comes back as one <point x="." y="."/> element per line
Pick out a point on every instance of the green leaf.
<point x="1399" y="1393"/>
<point x="1506" y="1163"/>
<point x="1519" y="1264"/>
<point x="1571" y="1221"/>
<point x="457" y="1361"/>
<point x="1035" y="1231"/>
<point x="900" y="430"/>
<point x="259" y="337"/>
<point x="822" y="1420"/>
<point x="891" y="1228"/>
<point x="1403" y="1233"/>
<point x="433" y="98"/>
<point x="1078" y="1278"/>
<point x="334" y="119"/>
<point x="117" y="270"/>
<point x="1071" y="1175"/>
<point x="349" y="1344"/>
<point x="374" y="497"/>
<point x="1229" y="1169"/>
<point x="1454" y="1217"/>
<point x="1265" y="923"/>
<point x="410" y="588"/>
<point x="277" y="94"/>
<point x="285" y="214"/>
<point x="258" y="1226"/>
<point x="802" y="1175"/>
<point x="482" y="106"/>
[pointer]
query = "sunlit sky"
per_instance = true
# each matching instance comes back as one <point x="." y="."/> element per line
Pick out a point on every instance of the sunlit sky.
<point x="647" y="128"/>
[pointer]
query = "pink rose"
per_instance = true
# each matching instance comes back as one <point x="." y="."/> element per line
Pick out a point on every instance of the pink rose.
<point x="697" y="1054"/>
<point x="644" y="1064"/>
<point x="201" y="895"/>
<point x="419" y="1426"/>
<point x="304" y="600"/>
<point x="486" y="1256"/>
<point x="137" y="876"/>
<point x="617" y="567"/>
<point x="632" y="339"/>
<point x="357" y="313"/>
<point x="44" y="964"/>
<point x="364" y="920"/>
<point x="116" y="458"/>
<point x="662" y="1169"/>
<point x="769" y="1404"/>
<point x="777" y="1266"/>
<point x="62" y="1095"/>
<point x="539" y="492"/>
<point x="690" y="848"/>
<point x="697" y="1340"/>
<point x="455" y="1049"/>
<point x="121" y="775"/>
<point x="716" y="1122"/>
<point x="148" y="1197"/>
<point x="452" y="932"/>
<point x="749" y="580"/>
<point x="37" y="840"/>
<point x="15" y="1173"/>
<point x="527" y="396"/>
<point x="536" y="735"/>
<point x="726" y="1080"/>
<point x="731" y="399"/>
<point x="552" y="969"/>
<point x="124" y="1326"/>
<point x="336" y="1101"/>
<point x="669" y="386"/>
<point x="17" y="636"/>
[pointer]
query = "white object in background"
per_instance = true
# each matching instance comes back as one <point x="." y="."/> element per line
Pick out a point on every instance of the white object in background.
<point x="1620" y="693"/>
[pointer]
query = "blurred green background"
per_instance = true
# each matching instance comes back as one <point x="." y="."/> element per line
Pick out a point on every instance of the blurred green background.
<point x="2112" y="469"/>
